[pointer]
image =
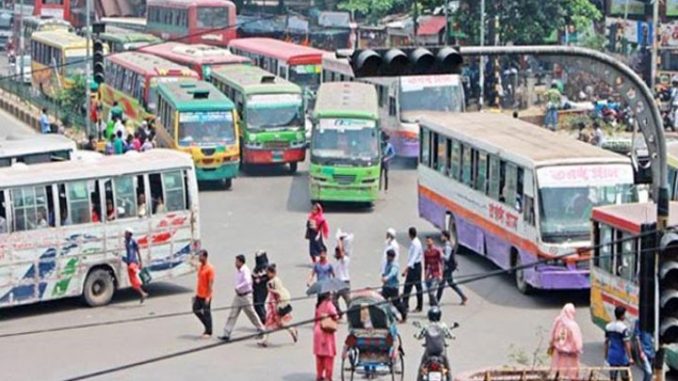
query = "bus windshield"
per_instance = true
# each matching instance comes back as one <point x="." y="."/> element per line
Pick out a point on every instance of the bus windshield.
<point x="75" y="65"/>
<point x="568" y="193"/>
<point x="429" y="94"/>
<point x="305" y="75"/>
<point x="268" y="111"/>
<point x="345" y="141"/>
<point x="206" y="128"/>
<point x="212" y="17"/>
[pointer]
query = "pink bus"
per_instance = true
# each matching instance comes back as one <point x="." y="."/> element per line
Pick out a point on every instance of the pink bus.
<point x="210" y="22"/>
<point x="199" y="57"/>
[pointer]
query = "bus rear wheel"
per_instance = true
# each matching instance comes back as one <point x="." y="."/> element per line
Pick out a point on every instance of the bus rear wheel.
<point x="519" y="273"/>
<point x="293" y="167"/>
<point x="99" y="288"/>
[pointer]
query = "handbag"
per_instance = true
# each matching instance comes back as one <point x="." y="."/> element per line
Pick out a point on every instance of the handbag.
<point x="145" y="276"/>
<point x="284" y="311"/>
<point x="328" y="325"/>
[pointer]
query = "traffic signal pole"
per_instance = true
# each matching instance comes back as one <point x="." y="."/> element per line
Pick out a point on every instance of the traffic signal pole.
<point x="88" y="69"/>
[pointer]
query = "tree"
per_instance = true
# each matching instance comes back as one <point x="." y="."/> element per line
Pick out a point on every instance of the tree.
<point x="373" y="9"/>
<point x="524" y="22"/>
<point x="71" y="99"/>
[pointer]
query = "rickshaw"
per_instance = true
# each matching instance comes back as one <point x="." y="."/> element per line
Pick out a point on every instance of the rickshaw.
<point x="373" y="346"/>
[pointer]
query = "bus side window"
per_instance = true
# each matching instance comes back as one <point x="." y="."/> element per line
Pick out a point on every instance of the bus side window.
<point x="3" y="213"/>
<point x="78" y="196"/>
<point x="424" y="147"/>
<point x="495" y="174"/>
<point x="157" y="197"/>
<point x="175" y="192"/>
<point x="448" y="156"/>
<point x="510" y="186"/>
<point x="126" y="196"/>
<point x="29" y="208"/>
<point x="604" y="260"/>
<point x="391" y="106"/>
<point x="672" y="183"/>
<point x="434" y="150"/>
<point x="142" y="205"/>
<point x="466" y="165"/>
<point x="519" y="190"/>
<point x="442" y="150"/>
<point x="502" y="181"/>
<point x="481" y="172"/>
<point x="528" y="197"/>
<point x="455" y="160"/>
<point x="626" y="257"/>
<point x="95" y="199"/>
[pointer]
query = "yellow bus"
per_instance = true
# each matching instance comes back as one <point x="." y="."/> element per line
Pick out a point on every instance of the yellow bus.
<point x="56" y="58"/>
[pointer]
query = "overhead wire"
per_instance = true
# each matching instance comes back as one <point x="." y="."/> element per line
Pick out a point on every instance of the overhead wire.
<point x="461" y="279"/>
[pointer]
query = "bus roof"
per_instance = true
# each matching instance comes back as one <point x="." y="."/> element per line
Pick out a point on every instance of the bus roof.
<point x="188" y="3"/>
<point x="60" y="38"/>
<point x="195" y="96"/>
<point x="94" y="167"/>
<point x="289" y="52"/>
<point x="43" y="21"/>
<point x="32" y="144"/>
<point x="148" y="64"/>
<point x="630" y="217"/>
<point x="347" y="99"/>
<point x="200" y="54"/>
<point x="123" y="35"/>
<point x="533" y="145"/>
<point x="251" y="80"/>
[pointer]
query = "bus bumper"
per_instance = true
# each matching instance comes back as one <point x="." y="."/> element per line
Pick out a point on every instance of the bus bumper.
<point x="223" y="172"/>
<point x="559" y="278"/>
<point x="347" y="193"/>
<point x="274" y="157"/>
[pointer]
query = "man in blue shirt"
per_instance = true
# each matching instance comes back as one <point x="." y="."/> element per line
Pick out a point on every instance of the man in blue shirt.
<point x="618" y="344"/>
<point x="133" y="261"/>
<point x="387" y="155"/>
<point x="645" y="350"/>
<point x="45" y="127"/>
<point x="391" y="285"/>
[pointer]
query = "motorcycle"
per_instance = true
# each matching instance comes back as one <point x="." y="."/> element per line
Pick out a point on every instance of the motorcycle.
<point x="434" y="364"/>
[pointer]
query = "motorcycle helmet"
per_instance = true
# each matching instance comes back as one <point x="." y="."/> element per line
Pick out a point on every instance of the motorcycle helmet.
<point x="434" y="314"/>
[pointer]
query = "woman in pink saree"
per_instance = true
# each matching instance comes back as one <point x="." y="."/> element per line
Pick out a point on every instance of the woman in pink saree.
<point x="566" y="344"/>
<point x="324" y="341"/>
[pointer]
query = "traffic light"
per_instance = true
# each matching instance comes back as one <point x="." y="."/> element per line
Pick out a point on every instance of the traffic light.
<point x="398" y="62"/>
<point x="668" y="288"/>
<point x="98" y="61"/>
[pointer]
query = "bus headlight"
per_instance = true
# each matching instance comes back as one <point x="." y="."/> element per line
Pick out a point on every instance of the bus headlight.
<point x="318" y="179"/>
<point x="253" y="145"/>
<point x="298" y="144"/>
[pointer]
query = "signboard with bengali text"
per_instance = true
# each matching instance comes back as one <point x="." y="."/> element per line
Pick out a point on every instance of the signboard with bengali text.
<point x="419" y="82"/>
<point x="585" y="175"/>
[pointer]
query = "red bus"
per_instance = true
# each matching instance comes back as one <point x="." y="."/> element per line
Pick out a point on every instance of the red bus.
<point x="211" y="22"/>
<point x="298" y="64"/>
<point x="199" y="57"/>
<point x="58" y="9"/>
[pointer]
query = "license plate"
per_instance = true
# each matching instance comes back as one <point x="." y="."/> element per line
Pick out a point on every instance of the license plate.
<point x="277" y="155"/>
<point x="435" y="376"/>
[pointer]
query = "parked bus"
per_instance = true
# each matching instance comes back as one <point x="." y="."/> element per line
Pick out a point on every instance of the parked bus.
<point x="198" y="119"/>
<point x="210" y="22"/>
<point x="517" y="193"/>
<point x="56" y="59"/>
<point x="122" y="40"/>
<point x="296" y="63"/>
<point x="59" y="240"/>
<point x="132" y="79"/>
<point x="59" y="9"/>
<point x="618" y="232"/>
<point x="345" y="143"/>
<point x="402" y="100"/>
<point x="34" y="149"/>
<point x="199" y="57"/>
<point x="272" y="112"/>
<point x="34" y="24"/>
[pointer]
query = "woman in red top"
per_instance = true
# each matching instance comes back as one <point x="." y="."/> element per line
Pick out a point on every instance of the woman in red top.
<point x="324" y="340"/>
<point x="317" y="230"/>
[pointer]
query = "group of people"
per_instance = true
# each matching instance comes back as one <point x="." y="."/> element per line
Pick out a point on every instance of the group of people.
<point x="594" y="135"/>
<point x="116" y="135"/>
<point x="566" y="345"/>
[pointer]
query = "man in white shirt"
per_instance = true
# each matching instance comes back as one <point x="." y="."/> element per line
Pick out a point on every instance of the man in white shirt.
<point x="412" y="272"/>
<point x="345" y="242"/>
<point x="391" y="244"/>
<point x="242" y="301"/>
<point x="341" y="272"/>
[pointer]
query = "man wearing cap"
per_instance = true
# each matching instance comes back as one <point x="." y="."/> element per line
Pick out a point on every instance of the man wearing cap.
<point x="391" y="244"/>
<point x="134" y="265"/>
<point x="242" y="301"/>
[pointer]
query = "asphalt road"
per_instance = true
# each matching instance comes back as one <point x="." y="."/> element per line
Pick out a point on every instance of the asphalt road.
<point x="266" y="210"/>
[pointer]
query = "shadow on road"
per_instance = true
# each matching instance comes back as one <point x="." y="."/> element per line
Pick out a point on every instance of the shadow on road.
<point x="269" y="170"/>
<point x="298" y="197"/>
<point x="156" y="290"/>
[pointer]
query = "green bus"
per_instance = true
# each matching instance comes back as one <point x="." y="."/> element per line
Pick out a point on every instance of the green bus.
<point x="271" y="111"/>
<point x="345" y="143"/>
<point x="196" y="118"/>
<point x="122" y="40"/>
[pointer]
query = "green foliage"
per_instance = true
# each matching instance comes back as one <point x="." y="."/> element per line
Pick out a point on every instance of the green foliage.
<point x="373" y="9"/>
<point x="537" y="358"/>
<point x="72" y="99"/>
<point x="524" y="21"/>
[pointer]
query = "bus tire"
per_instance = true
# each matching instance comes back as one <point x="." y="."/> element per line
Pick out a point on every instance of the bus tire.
<point x="451" y="227"/>
<point x="293" y="167"/>
<point x="519" y="274"/>
<point x="228" y="183"/>
<point x="99" y="287"/>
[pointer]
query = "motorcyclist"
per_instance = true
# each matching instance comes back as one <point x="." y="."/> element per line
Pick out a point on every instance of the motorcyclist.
<point x="435" y="345"/>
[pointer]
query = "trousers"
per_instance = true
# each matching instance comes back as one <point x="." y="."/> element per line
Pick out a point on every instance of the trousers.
<point x="203" y="310"/>
<point x="242" y="303"/>
<point x="413" y="279"/>
<point x="448" y="278"/>
<point x="324" y="366"/>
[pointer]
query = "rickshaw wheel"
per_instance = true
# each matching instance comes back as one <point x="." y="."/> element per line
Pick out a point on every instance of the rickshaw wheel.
<point x="350" y="363"/>
<point x="398" y="367"/>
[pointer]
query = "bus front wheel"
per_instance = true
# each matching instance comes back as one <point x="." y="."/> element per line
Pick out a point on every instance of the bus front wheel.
<point x="99" y="288"/>
<point x="519" y="273"/>
<point x="293" y="167"/>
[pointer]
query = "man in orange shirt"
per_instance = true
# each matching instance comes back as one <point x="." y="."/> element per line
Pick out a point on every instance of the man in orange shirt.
<point x="203" y="293"/>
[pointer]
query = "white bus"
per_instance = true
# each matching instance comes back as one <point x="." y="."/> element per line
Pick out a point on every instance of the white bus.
<point x="62" y="224"/>
<point x="402" y="100"/>
<point x="517" y="193"/>
<point x="34" y="149"/>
